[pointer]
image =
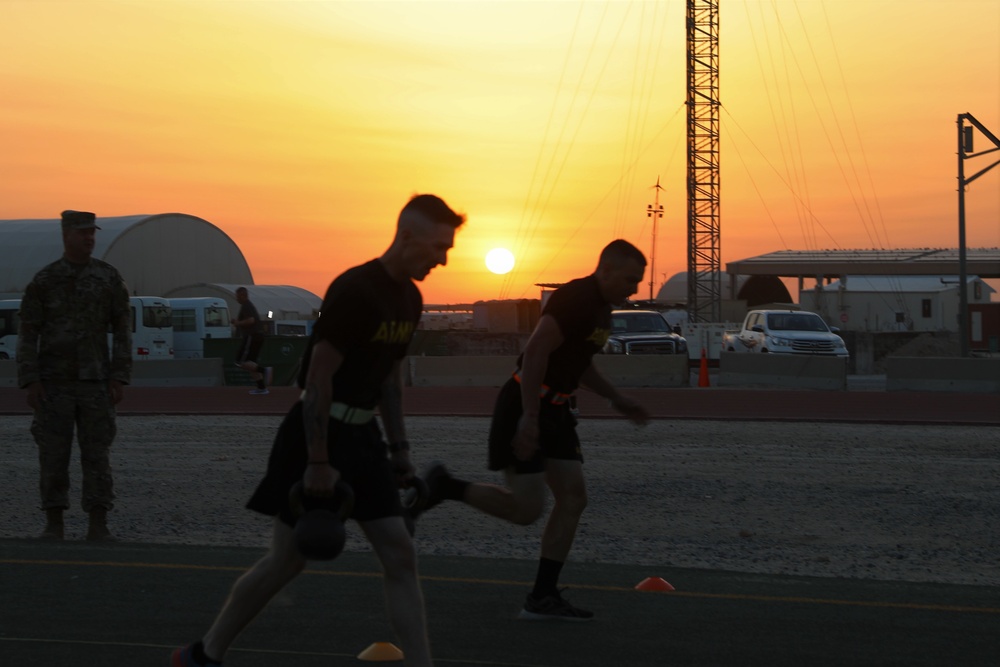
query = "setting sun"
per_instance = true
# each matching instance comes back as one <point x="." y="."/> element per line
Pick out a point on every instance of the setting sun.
<point x="500" y="261"/>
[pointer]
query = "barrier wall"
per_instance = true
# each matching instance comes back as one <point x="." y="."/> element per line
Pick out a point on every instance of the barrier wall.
<point x="943" y="374"/>
<point x="623" y="371"/>
<point x="151" y="373"/>
<point x="782" y="370"/>
<point x="178" y="373"/>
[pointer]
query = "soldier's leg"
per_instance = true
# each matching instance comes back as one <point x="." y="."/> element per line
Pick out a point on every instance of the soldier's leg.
<point x="52" y="428"/>
<point x="96" y="430"/>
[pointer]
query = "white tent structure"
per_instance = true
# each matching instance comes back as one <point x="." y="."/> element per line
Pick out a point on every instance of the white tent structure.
<point x="154" y="253"/>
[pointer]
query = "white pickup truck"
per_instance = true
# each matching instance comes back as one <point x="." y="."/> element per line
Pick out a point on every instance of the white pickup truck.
<point x="784" y="332"/>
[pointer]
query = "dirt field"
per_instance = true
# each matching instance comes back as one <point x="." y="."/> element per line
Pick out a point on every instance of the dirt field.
<point x="913" y="503"/>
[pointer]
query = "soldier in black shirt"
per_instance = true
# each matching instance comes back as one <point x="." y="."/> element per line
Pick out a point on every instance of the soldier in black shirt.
<point x="251" y="329"/>
<point x="351" y="369"/>
<point x="533" y="435"/>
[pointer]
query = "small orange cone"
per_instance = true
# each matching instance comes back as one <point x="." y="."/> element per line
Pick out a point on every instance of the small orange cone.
<point x="703" y="371"/>
<point x="381" y="652"/>
<point x="653" y="584"/>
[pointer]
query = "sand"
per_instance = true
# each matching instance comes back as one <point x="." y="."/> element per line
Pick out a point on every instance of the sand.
<point x="904" y="503"/>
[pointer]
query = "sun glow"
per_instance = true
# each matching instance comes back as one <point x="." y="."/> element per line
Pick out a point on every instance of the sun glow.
<point x="500" y="261"/>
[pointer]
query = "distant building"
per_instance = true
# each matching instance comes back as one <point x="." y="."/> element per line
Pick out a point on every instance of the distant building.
<point x="164" y="255"/>
<point x="154" y="253"/>
<point x="893" y="303"/>
<point x="506" y="316"/>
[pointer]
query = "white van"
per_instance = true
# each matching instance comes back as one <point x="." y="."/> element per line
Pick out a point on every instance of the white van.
<point x="152" y="330"/>
<point x="195" y="319"/>
<point x="8" y="327"/>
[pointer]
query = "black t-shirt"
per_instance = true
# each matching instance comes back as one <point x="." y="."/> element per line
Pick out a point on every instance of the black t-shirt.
<point x="369" y="318"/>
<point x="248" y="310"/>
<point x="584" y="318"/>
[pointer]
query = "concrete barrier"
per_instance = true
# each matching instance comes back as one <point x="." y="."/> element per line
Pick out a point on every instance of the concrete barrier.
<point x="458" y="371"/>
<point x="178" y="373"/>
<point x="782" y="370"/>
<point x="645" y="370"/>
<point x="622" y="370"/>
<point x="151" y="373"/>
<point x="967" y="374"/>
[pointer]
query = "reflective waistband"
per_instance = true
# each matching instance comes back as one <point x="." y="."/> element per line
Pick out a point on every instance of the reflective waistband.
<point x="348" y="414"/>
<point x="547" y="393"/>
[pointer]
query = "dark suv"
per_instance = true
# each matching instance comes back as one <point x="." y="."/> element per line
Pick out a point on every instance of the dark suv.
<point x="642" y="332"/>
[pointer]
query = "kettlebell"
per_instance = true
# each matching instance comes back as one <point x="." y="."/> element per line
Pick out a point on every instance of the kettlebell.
<point x="414" y="499"/>
<point x="319" y="525"/>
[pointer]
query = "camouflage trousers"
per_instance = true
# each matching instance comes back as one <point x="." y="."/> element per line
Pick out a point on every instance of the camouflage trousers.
<point x="87" y="408"/>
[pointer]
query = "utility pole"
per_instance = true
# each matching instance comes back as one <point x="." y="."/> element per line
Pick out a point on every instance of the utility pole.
<point x="654" y="211"/>
<point x="965" y="152"/>
<point x="704" y="271"/>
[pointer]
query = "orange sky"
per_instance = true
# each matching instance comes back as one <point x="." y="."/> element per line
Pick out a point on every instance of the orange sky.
<point x="301" y="128"/>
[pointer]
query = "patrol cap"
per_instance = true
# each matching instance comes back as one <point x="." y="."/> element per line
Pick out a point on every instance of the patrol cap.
<point x="79" y="220"/>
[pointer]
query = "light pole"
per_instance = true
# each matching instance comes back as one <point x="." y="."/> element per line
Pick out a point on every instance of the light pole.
<point x="965" y="151"/>
<point x="654" y="211"/>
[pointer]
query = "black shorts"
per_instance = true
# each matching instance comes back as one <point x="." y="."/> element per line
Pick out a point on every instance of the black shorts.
<point x="557" y="436"/>
<point x="250" y="348"/>
<point x="357" y="451"/>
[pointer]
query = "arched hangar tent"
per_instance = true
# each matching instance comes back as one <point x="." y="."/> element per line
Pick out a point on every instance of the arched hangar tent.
<point x="284" y="302"/>
<point x="154" y="253"/>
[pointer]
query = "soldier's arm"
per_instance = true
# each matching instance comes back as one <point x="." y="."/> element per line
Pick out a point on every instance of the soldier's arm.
<point x="121" y="330"/>
<point x="31" y="317"/>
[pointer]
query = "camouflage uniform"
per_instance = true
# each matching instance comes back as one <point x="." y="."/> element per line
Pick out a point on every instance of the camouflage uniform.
<point x="67" y="312"/>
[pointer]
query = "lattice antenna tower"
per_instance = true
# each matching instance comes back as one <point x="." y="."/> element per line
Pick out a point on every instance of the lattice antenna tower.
<point x="704" y="284"/>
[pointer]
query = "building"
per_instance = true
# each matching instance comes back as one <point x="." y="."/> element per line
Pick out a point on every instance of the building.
<point x="893" y="303"/>
<point x="165" y="255"/>
<point x="154" y="253"/>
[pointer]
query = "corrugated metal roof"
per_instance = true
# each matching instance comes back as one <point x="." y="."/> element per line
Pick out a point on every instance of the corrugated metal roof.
<point x="983" y="262"/>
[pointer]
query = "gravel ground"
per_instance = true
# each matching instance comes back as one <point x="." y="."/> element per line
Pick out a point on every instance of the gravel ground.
<point x="905" y="503"/>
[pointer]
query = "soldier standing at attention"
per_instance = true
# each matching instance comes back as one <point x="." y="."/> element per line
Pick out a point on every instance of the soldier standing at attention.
<point x="63" y="361"/>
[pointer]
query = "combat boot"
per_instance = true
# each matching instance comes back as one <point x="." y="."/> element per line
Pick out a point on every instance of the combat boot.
<point x="53" y="524"/>
<point x="98" y="531"/>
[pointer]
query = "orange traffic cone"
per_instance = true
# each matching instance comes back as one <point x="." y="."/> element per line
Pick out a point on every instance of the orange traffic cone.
<point x="654" y="584"/>
<point x="381" y="652"/>
<point x="703" y="371"/>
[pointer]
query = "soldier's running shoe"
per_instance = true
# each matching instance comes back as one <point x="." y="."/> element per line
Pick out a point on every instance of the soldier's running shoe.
<point x="552" y="607"/>
<point x="435" y="476"/>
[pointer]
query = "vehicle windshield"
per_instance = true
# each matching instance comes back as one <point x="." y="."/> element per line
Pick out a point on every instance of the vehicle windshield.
<point x="796" y="322"/>
<point x="639" y="323"/>
<point x="157" y="317"/>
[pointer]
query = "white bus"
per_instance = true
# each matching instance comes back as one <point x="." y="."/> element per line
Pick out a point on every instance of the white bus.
<point x="152" y="335"/>
<point x="152" y="331"/>
<point x="8" y="327"/>
<point x="195" y="319"/>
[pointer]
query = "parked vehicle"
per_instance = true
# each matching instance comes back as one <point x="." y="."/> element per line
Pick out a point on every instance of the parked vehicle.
<point x="642" y="332"/>
<point x="152" y="330"/>
<point x="8" y="327"/>
<point x="784" y="332"/>
<point x="194" y="319"/>
<point x="152" y="334"/>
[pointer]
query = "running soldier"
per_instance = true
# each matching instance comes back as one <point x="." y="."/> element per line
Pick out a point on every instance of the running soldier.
<point x="351" y="368"/>
<point x="533" y="437"/>
<point x="63" y="361"/>
<point x="251" y="329"/>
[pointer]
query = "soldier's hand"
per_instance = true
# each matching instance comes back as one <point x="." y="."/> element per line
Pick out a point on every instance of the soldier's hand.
<point x="117" y="391"/>
<point x="635" y="412"/>
<point x="36" y="394"/>
<point x="525" y="442"/>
